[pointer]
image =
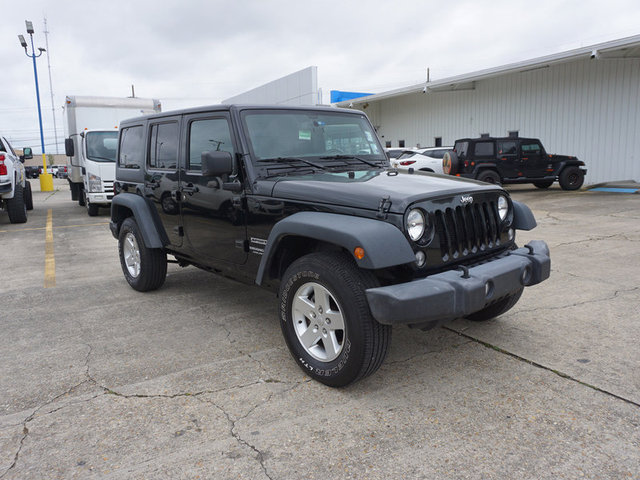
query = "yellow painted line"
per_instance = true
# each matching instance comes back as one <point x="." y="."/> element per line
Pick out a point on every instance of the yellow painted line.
<point x="55" y="228"/>
<point x="49" y="258"/>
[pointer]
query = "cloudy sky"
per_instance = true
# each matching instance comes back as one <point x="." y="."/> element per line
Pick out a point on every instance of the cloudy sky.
<point x="199" y="52"/>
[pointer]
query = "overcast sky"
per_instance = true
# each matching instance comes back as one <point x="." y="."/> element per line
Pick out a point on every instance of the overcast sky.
<point x="199" y="52"/>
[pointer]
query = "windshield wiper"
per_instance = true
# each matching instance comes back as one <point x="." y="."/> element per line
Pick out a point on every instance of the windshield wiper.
<point x="291" y="160"/>
<point x="347" y="157"/>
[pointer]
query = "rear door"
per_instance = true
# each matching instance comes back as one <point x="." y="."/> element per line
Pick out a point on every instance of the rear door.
<point x="161" y="180"/>
<point x="213" y="218"/>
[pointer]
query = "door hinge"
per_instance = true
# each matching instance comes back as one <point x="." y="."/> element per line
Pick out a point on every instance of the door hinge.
<point x="243" y="244"/>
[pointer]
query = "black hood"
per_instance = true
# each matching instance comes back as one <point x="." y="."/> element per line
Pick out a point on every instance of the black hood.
<point x="367" y="188"/>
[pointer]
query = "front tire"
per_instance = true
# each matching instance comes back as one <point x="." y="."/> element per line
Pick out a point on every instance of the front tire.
<point x="16" y="206"/>
<point x="326" y="322"/>
<point x="82" y="198"/>
<point x="571" y="178"/>
<point x="144" y="268"/>
<point x="496" y="309"/>
<point x="92" y="209"/>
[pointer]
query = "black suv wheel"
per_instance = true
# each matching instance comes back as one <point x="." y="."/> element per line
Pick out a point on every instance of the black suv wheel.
<point x="489" y="176"/>
<point x="326" y="322"/>
<point x="144" y="268"/>
<point x="571" y="178"/>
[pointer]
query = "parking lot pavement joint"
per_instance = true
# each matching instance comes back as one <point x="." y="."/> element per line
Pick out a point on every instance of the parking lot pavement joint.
<point x="543" y="367"/>
<point x="598" y="238"/>
<point x="615" y="295"/>
<point x="411" y="358"/>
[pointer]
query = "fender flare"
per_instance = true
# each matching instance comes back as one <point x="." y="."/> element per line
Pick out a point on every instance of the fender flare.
<point x="523" y="218"/>
<point x="384" y="244"/>
<point x="144" y="214"/>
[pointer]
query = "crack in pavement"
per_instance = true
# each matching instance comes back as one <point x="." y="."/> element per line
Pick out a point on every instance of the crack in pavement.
<point x="543" y="367"/>
<point x="233" y="423"/>
<point x="25" y="429"/>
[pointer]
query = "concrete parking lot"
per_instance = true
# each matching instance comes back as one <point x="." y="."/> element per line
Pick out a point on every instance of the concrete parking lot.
<point x="194" y="380"/>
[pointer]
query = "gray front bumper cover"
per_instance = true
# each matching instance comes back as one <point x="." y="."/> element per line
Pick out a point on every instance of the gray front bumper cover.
<point x="456" y="293"/>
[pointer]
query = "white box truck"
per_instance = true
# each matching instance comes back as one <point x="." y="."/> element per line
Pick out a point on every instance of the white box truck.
<point x="91" y="131"/>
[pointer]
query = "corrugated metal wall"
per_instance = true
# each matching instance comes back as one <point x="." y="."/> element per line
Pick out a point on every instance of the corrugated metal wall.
<point x="587" y="108"/>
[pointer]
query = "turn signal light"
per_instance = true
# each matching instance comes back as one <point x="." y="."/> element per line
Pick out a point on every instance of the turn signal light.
<point x="358" y="252"/>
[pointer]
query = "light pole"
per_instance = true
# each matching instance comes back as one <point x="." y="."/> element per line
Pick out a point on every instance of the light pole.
<point x="46" y="179"/>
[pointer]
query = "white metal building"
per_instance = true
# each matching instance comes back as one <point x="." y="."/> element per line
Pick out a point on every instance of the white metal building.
<point x="583" y="102"/>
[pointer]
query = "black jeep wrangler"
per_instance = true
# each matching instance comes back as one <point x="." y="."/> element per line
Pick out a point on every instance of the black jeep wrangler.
<point x="513" y="160"/>
<point x="303" y="201"/>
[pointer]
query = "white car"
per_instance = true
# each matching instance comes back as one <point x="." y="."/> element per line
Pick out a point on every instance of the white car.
<point x="418" y="161"/>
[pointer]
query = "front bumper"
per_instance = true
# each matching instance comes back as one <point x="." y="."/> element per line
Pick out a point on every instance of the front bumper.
<point x="100" y="198"/>
<point x="457" y="293"/>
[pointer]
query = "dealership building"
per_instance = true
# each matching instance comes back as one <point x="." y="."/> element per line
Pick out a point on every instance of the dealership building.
<point x="584" y="102"/>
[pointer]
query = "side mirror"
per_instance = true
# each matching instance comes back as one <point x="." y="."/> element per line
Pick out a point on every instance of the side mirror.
<point x="215" y="164"/>
<point x="69" y="148"/>
<point x="27" y="154"/>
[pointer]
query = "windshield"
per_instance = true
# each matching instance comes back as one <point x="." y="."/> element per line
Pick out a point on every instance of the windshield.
<point x="101" y="146"/>
<point x="317" y="137"/>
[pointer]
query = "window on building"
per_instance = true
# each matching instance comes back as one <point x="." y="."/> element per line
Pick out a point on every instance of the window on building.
<point x="387" y="144"/>
<point x="513" y="134"/>
<point x="163" y="151"/>
<point x="437" y="142"/>
<point x="401" y="143"/>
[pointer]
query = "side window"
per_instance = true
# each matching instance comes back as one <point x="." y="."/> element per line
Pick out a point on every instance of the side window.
<point x="484" y="149"/>
<point x="531" y="149"/>
<point x="163" y="145"/>
<point x="208" y="135"/>
<point x="131" y="147"/>
<point x="507" y="148"/>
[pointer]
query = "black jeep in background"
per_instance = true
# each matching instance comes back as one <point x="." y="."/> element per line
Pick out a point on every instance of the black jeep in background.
<point x="303" y="201"/>
<point x="513" y="160"/>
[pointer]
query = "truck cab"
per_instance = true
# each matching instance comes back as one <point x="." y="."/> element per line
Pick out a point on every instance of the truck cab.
<point x="96" y="156"/>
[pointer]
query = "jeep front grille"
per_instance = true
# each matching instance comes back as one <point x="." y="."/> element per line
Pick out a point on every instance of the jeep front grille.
<point x="466" y="230"/>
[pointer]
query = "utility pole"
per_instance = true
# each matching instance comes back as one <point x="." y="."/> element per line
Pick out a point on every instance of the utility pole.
<point x="53" y="108"/>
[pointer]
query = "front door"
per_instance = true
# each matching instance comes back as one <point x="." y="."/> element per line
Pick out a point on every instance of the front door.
<point x="507" y="158"/>
<point x="213" y="218"/>
<point x="532" y="157"/>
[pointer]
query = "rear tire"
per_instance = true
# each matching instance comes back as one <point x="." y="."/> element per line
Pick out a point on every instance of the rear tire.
<point x="326" y="322"/>
<point x="28" y="196"/>
<point x="16" y="206"/>
<point x="489" y="176"/>
<point x="496" y="309"/>
<point x="144" y="268"/>
<point x="571" y="178"/>
<point x="82" y="198"/>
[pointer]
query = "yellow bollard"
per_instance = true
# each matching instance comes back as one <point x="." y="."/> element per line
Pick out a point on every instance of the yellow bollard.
<point x="46" y="179"/>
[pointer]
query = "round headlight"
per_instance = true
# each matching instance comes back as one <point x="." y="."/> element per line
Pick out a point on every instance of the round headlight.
<point x="503" y="207"/>
<point x="415" y="224"/>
